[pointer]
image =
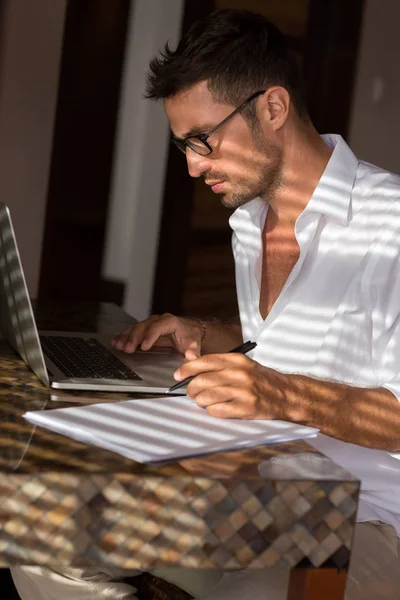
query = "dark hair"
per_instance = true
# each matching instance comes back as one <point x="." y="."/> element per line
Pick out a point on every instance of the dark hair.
<point x="239" y="52"/>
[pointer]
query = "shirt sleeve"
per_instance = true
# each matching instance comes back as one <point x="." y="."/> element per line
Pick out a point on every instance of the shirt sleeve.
<point x="385" y="298"/>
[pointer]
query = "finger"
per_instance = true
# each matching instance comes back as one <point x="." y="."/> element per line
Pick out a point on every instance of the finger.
<point x="241" y="406"/>
<point x="164" y="341"/>
<point x="163" y="326"/>
<point x="120" y="340"/>
<point x="204" y="364"/>
<point x="213" y="362"/>
<point x="193" y="350"/>
<point x="231" y="409"/>
<point x="137" y="336"/>
<point x="207" y="381"/>
<point x="132" y="336"/>
<point x="227" y="402"/>
<point x="219" y="393"/>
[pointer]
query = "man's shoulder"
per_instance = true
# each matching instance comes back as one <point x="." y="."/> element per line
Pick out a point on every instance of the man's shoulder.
<point x="378" y="191"/>
<point x="375" y="179"/>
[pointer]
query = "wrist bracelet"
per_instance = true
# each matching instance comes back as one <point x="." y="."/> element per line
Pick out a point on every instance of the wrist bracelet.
<point x="204" y="326"/>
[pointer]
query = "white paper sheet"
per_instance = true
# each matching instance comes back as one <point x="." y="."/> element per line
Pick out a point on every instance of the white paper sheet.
<point x="157" y="429"/>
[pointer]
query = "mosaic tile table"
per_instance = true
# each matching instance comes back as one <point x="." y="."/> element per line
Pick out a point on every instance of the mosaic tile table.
<point x="63" y="502"/>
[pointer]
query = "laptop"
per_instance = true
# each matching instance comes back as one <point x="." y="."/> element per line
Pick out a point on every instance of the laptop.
<point x="72" y="360"/>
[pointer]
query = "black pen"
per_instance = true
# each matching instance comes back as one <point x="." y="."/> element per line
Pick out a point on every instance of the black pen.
<point x="242" y="349"/>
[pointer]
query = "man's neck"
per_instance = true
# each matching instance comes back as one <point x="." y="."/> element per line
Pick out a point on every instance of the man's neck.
<point x="305" y="158"/>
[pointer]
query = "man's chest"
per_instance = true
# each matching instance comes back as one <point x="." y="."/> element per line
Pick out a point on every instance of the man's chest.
<point x="280" y="254"/>
<point x="320" y="322"/>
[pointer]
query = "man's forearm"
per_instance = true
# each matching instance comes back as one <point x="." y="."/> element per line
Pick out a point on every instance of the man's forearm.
<point x="221" y="336"/>
<point x="369" y="417"/>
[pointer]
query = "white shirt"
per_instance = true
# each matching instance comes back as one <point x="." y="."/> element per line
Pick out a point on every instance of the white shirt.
<point x="338" y="314"/>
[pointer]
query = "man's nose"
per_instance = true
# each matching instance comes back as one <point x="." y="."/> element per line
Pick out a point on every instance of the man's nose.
<point x="197" y="164"/>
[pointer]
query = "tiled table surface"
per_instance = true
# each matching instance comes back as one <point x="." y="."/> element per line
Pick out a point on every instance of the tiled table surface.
<point x="63" y="502"/>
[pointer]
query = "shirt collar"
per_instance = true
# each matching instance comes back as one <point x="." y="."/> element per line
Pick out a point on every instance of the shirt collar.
<point x="247" y="222"/>
<point x="331" y="197"/>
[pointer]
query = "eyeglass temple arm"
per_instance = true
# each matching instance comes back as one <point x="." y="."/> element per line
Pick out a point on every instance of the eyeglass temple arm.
<point x="239" y="108"/>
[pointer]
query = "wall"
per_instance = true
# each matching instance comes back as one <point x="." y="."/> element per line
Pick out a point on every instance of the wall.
<point x="30" y="48"/>
<point x="140" y="159"/>
<point x="375" y="124"/>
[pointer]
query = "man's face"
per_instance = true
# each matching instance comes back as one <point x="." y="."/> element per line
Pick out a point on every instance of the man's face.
<point x="244" y="163"/>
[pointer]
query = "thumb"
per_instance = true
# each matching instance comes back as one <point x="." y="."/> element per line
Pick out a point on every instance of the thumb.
<point x="192" y="351"/>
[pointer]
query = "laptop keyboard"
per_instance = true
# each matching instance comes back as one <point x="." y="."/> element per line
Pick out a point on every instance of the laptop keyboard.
<point x="78" y="357"/>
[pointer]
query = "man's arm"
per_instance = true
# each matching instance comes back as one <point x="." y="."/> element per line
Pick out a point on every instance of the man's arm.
<point x="369" y="417"/>
<point x="234" y="386"/>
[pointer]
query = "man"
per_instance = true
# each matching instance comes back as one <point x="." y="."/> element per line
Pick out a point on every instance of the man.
<point x="316" y="242"/>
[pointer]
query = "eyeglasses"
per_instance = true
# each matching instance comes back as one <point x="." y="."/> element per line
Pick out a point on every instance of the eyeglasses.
<point x="198" y="143"/>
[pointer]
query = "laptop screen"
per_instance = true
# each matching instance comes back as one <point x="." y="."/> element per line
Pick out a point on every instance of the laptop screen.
<point x="17" y="321"/>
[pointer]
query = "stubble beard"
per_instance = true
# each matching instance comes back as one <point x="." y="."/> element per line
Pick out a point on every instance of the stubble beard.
<point x="267" y="182"/>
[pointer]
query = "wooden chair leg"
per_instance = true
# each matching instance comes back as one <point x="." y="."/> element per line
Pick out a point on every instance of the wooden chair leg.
<point x="315" y="584"/>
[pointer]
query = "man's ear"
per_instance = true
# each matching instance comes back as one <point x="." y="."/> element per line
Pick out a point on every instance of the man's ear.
<point x="275" y="104"/>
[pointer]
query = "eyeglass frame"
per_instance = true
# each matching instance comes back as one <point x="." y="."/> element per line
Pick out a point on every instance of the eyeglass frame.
<point x="203" y="137"/>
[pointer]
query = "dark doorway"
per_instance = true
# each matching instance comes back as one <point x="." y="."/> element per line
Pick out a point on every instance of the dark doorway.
<point x="89" y="88"/>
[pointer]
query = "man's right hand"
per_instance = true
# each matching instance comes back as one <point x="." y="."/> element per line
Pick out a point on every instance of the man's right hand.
<point x="183" y="334"/>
